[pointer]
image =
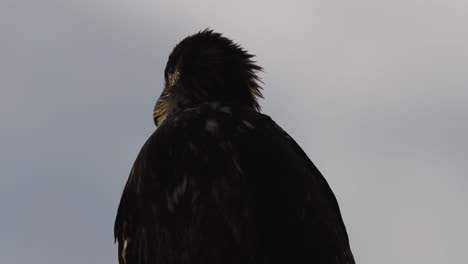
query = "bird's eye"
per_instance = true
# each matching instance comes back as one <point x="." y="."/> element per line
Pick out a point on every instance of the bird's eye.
<point x="172" y="78"/>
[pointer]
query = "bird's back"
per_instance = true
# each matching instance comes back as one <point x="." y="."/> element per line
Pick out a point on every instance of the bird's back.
<point x="223" y="184"/>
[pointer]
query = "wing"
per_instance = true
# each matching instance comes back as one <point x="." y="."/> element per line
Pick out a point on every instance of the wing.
<point x="216" y="184"/>
<point x="301" y="218"/>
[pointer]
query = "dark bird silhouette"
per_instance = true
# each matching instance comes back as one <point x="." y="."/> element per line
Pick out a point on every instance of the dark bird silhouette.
<point x="220" y="182"/>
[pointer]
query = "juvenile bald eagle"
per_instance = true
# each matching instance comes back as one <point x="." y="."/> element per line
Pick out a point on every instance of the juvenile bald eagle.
<point x="220" y="182"/>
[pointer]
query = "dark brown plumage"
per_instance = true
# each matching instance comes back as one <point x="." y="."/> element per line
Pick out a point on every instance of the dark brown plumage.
<point x="219" y="182"/>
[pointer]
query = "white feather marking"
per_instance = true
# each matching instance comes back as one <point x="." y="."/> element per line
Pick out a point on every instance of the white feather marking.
<point x="236" y="164"/>
<point x="211" y="126"/>
<point x="226" y="109"/>
<point x="214" y="105"/>
<point x="192" y="147"/>
<point x="247" y="124"/>
<point x="178" y="192"/>
<point x="124" y="250"/>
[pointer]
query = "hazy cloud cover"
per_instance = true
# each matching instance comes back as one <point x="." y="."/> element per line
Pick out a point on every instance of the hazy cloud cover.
<point x="374" y="91"/>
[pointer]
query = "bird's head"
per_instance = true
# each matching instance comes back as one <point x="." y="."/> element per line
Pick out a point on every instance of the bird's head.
<point x="207" y="67"/>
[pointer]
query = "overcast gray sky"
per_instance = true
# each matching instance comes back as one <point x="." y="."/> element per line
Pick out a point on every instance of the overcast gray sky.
<point x="374" y="91"/>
